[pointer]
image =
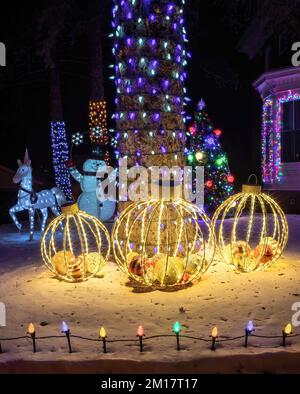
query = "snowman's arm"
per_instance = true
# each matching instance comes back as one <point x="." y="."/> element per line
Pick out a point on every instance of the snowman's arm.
<point x="74" y="172"/>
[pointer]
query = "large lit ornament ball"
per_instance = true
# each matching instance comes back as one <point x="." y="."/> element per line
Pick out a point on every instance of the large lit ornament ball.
<point x="75" y="246"/>
<point x="251" y="230"/>
<point x="163" y="244"/>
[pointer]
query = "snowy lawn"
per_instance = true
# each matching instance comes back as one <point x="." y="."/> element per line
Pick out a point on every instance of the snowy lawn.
<point x="222" y="298"/>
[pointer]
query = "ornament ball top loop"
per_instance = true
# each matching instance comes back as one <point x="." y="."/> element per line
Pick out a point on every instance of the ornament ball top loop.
<point x="249" y="188"/>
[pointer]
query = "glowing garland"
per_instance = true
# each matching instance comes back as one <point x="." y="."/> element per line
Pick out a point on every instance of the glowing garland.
<point x="267" y="141"/>
<point x="271" y="136"/>
<point x="60" y="157"/>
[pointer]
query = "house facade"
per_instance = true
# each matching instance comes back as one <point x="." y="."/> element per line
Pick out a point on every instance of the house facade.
<point x="280" y="94"/>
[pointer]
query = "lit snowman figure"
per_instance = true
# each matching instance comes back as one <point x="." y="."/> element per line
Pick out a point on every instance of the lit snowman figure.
<point x="88" y="201"/>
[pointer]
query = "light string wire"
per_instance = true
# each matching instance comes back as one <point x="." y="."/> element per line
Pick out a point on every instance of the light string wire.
<point x="202" y="339"/>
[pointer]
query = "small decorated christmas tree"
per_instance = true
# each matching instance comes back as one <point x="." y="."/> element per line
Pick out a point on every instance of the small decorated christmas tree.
<point x="205" y="150"/>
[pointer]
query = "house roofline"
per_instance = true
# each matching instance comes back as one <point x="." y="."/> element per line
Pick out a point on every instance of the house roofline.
<point x="275" y="74"/>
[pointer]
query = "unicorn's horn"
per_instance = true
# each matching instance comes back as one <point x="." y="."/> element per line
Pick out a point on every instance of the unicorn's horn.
<point x="26" y="157"/>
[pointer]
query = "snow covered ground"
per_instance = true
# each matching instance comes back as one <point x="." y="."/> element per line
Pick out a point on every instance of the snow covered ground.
<point x="222" y="298"/>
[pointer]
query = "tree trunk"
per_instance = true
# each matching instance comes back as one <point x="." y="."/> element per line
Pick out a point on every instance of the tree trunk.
<point x="150" y="78"/>
<point x="96" y="55"/>
<point x="56" y="107"/>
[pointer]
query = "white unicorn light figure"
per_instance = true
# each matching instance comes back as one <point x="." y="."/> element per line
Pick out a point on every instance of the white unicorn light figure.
<point x="29" y="200"/>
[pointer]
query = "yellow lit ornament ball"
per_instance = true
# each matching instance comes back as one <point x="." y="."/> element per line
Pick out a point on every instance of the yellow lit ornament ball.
<point x="251" y="230"/>
<point x="163" y="243"/>
<point x="75" y="246"/>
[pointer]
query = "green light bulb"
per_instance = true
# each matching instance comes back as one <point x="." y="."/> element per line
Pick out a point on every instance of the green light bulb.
<point x="177" y="328"/>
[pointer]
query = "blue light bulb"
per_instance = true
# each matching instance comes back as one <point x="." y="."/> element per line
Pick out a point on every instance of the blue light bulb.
<point x="64" y="327"/>
<point x="250" y="327"/>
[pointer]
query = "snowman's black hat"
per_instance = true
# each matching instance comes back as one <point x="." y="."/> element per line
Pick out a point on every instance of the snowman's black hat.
<point x="97" y="152"/>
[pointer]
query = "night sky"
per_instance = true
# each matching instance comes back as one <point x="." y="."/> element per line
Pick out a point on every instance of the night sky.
<point x="217" y="72"/>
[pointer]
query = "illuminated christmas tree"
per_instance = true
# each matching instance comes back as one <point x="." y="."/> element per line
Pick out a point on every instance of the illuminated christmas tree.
<point x="149" y="47"/>
<point x="205" y="150"/>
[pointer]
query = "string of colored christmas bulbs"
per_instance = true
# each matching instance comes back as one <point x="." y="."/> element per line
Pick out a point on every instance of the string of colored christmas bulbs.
<point x="214" y="338"/>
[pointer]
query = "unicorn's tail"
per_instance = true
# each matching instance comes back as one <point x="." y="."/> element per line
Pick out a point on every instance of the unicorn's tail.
<point x="59" y="196"/>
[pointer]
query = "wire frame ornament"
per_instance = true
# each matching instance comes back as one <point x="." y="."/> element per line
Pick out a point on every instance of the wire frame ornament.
<point x="163" y="244"/>
<point x="251" y="230"/>
<point x="75" y="246"/>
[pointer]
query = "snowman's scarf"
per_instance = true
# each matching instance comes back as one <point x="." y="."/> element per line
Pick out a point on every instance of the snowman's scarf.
<point x="87" y="173"/>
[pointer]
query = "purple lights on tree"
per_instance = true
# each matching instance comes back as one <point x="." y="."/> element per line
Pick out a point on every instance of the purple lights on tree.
<point x="170" y="9"/>
<point x="156" y="117"/>
<point x="150" y="80"/>
<point x="166" y="83"/>
<point x="153" y="42"/>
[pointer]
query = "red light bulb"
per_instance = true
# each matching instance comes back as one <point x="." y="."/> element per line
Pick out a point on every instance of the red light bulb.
<point x="217" y="132"/>
<point x="209" y="183"/>
<point x="192" y="130"/>
<point x="140" y="332"/>
<point x="230" y="178"/>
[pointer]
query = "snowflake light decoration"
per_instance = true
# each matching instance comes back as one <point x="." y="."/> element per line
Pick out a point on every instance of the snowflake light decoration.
<point x="77" y="139"/>
<point x="97" y="132"/>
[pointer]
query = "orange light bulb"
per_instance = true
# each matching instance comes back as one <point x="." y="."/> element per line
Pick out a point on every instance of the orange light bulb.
<point x="31" y="329"/>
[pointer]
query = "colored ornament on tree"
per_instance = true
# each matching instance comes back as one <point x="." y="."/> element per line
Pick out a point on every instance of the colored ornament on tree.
<point x="163" y="243"/>
<point x="205" y="150"/>
<point x="75" y="246"/>
<point x="256" y="232"/>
